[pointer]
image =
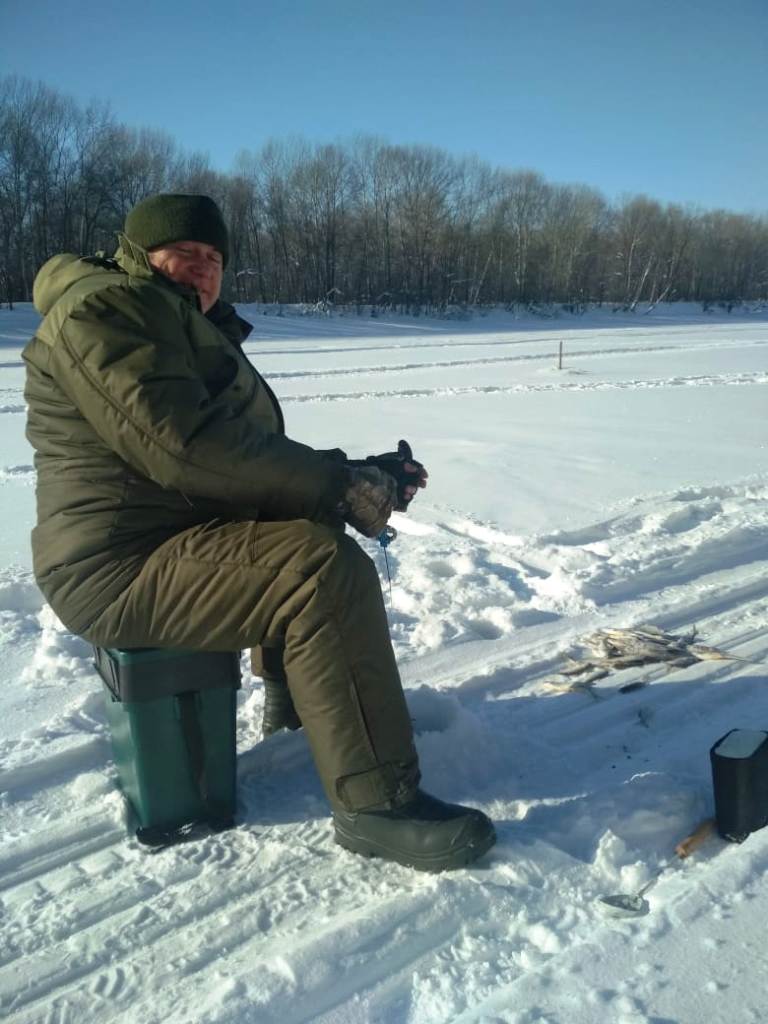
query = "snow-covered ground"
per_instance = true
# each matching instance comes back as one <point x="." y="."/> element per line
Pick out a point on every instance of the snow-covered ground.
<point x="628" y="487"/>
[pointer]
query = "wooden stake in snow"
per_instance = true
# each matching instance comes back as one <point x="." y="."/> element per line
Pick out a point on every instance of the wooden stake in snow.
<point x="560" y="357"/>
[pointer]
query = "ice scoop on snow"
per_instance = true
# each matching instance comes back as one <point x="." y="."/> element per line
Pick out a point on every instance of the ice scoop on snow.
<point x="624" y="904"/>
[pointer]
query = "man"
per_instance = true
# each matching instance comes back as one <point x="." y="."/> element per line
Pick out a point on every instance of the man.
<point x="174" y="511"/>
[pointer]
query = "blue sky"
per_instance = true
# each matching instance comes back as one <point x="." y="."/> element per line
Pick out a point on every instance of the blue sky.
<point x="664" y="97"/>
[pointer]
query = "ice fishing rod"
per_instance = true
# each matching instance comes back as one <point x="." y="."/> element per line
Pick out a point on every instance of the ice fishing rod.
<point x="385" y="538"/>
<point x="403" y="455"/>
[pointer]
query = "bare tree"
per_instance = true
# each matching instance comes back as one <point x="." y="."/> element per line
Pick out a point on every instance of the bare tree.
<point x="365" y="223"/>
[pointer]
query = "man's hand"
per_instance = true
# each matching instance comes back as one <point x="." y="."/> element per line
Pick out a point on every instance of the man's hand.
<point x="369" y="499"/>
<point x="409" y="474"/>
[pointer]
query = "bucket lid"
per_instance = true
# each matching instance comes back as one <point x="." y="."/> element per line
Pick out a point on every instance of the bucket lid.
<point x="740" y="743"/>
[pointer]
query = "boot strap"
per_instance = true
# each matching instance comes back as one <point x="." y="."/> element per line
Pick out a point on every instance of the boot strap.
<point x="385" y="786"/>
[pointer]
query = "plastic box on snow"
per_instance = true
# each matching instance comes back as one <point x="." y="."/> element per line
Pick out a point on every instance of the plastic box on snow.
<point x="740" y="778"/>
<point x="172" y="716"/>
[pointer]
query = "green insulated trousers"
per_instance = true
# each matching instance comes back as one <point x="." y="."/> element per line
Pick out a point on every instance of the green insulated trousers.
<point x="311" y="590"/>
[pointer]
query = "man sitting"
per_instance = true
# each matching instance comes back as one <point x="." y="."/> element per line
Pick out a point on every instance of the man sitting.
<point x="173" y="511"/>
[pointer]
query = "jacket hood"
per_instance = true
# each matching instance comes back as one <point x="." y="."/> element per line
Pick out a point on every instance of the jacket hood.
<point x="62" y="272"/>
<point x="56" y="276"/>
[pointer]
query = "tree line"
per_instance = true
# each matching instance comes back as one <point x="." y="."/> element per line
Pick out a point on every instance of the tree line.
<point x="363" y="223"/>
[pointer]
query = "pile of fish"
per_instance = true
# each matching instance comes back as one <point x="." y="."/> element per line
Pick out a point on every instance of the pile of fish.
<point x="610" y="650"/>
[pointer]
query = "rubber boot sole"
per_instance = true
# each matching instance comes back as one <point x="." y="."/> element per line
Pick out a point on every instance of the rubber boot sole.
<point x="445" y="860"/>
<point x="279" y="712"/>
<point x="271" y="725"/>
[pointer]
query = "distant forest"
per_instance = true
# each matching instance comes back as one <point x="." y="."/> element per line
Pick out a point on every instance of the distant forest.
<point x="364" y="223"/>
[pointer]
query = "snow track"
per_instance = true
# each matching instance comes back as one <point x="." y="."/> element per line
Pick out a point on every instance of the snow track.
<point x="512" y="389"/>
<point x="271" y="922"/>
<point x="599" y="351"/>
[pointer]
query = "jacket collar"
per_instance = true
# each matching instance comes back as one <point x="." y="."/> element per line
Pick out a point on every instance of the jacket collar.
<point x="224" y="316"/>
<point x="133" y="259"/>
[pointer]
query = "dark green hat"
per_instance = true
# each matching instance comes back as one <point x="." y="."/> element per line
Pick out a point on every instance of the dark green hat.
<point x="175" y="217"/>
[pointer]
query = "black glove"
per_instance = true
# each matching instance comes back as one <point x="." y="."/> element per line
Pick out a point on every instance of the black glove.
<point x="394" y="464"/>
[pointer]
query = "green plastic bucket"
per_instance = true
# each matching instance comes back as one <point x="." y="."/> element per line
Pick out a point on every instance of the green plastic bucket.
<point x="172" y="716"/>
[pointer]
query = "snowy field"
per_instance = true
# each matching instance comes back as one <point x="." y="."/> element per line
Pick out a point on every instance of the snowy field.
<point x="628" y="487"/>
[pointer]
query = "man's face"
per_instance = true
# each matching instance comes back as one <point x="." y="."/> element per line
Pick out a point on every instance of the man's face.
<point x="196" y="264"/>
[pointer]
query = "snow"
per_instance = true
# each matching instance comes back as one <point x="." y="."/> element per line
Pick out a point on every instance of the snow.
<point x="627" y="488"/>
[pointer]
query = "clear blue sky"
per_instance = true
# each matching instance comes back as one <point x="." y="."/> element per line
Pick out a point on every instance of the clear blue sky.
<point x="665" y="97"/>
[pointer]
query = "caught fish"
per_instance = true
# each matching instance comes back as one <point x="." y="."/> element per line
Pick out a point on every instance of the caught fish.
<point x="611" y="650"/>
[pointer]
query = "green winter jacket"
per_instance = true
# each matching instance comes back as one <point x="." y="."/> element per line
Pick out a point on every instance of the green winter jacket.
<point x="146" y="419"/>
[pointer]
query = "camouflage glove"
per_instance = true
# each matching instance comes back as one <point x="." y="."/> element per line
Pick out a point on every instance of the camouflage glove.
<point x="369" y="499"/>
<point x="394" y="463"/>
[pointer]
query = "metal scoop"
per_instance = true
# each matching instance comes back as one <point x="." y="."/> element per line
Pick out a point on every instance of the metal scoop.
<point x="621" y="904"/>
<point x="626" y="905"/>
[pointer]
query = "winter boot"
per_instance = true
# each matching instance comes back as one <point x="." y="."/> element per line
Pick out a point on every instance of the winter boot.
<point x="423" y="833"/>
<point x="279" y="712"/>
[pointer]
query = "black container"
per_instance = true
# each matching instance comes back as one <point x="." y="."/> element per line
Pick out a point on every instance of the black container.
<point x="740" y="778"/>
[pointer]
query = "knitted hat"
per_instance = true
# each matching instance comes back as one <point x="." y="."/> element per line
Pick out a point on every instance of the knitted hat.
<point x="174" y="217"/>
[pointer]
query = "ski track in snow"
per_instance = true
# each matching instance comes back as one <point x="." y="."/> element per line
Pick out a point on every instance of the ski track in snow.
<point x="271" y="922"/>
<point x="544" y="334"/>
<point x="705" y="380"/>
<point x="547" y="356"/>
